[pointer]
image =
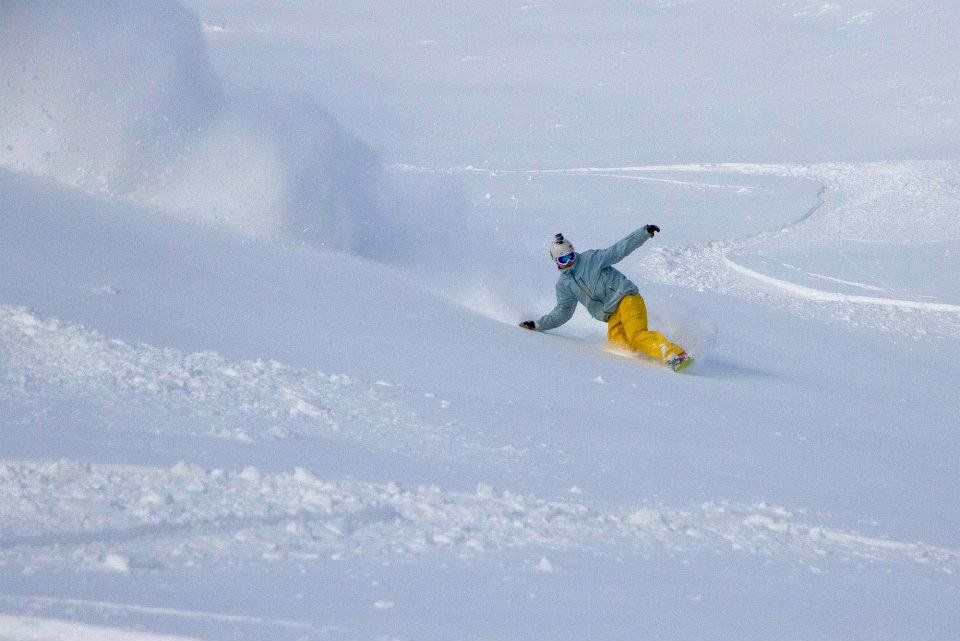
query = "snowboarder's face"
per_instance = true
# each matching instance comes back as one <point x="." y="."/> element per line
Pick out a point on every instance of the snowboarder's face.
<point x="566" y="260"/>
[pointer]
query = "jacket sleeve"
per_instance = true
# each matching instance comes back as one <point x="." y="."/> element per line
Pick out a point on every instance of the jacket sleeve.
<point x="621" y="249"/>
<point x="566" y="305"/>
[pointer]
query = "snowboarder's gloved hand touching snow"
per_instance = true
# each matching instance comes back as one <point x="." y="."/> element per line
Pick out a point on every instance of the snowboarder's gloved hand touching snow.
<point x="528" y="325"/>
<point x="652" y="229"/>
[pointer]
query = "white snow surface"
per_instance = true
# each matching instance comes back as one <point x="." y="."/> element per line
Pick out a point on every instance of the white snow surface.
<point x="261" y="269"/>
<point x="17" y="628"/>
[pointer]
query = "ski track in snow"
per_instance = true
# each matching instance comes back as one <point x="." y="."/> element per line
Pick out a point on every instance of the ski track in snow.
<point x="127" y="519"/>
<point x="21" y="628"/>
<point x="246" y="401"/>
<point x="147" y="609"/>
<point x="851" y="196"/>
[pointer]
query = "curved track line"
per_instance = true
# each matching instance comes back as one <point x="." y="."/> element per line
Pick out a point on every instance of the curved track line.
<point x="811" y="293"/>
<point x="788" y="171"/>
<point x="156" y="610"/>
<point x="623" y="173"/>
<point x="681" y="183"/>
<point x="820" y="295"/>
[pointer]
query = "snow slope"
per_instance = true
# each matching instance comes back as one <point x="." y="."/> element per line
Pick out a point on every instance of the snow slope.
<point x="269" y="385"/>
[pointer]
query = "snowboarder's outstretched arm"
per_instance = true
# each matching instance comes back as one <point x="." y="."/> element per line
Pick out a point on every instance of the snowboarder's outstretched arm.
<point x="566" y="305"/>
<point x="621" y="249"/>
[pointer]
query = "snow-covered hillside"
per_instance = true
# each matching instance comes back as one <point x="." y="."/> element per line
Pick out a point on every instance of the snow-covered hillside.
<point x="261" y="269"/>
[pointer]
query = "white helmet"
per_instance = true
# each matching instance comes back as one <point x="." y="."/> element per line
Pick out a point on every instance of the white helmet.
<point x="562" y="253"/>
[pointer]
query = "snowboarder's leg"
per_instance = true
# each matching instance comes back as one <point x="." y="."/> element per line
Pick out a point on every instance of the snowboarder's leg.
<point x="615" y="333"/>
<point x="631" y="317"/>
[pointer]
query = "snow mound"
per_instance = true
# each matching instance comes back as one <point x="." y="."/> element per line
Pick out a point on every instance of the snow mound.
<point x="102" y="93"/>
<point x="247" y="401"/>
<point x="126" y="518"/>
<point x="119" y="99"/>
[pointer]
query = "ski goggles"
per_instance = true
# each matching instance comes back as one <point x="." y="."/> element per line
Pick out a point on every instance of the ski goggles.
<point x="567" y="258"/>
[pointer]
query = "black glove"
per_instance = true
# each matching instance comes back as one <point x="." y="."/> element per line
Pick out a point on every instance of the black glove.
<point x="652" y="229"/>
<point x="528" y="325"/>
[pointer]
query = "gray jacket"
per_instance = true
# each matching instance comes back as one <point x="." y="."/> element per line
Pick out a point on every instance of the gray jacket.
<point x="592" y="281"/>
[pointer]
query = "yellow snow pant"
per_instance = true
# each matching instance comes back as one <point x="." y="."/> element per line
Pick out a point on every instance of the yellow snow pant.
<point x="628" y="327"/>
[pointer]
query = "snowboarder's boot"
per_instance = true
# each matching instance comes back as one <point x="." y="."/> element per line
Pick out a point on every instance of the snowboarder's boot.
<point x="680" y="362"/>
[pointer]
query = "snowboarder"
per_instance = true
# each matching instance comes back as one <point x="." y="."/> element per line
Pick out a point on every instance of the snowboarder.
<point x="609" y="296"/>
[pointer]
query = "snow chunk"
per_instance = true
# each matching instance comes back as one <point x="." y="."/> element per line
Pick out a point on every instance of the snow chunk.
<point x="383" y="604"/>
<point x="760" y="522"/>
<point x="235" y="434"/>
<point x="250" y="473"/>
<point x="116" y="563"/>
<point x="485" y="491"/>
<point x="647" y="519"/>
<point x="444" y="539"/>
<point x="315" y="501"/>
<point x="303" y="475"/>
<point x="153" y="498"/>
<point x="546" y="565"/>
<point x="105" y="290"/>
<point x="182" y="468"/>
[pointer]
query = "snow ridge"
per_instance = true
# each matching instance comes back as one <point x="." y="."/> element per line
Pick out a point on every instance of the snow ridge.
<point x="126" y="518"/>
<point x="247" y="401"/>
